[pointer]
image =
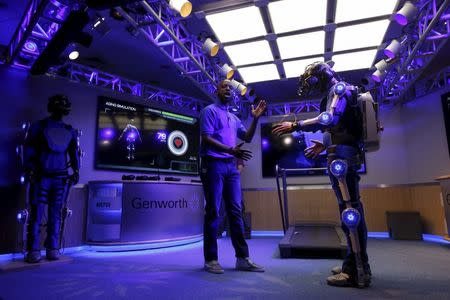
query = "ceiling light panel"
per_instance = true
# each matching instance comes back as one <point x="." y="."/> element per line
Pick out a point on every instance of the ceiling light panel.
<point x="301" y="44"/>
<point x="249" y="53"/>
<point x="354" y="60"/>
<point x="359" y="36"/>
<point x="237" y="24"/>
<point x="259" y="73"/>
<point x="348" y="10"/>
<point x="290" y="15"/>
<point x="297" y="67"/>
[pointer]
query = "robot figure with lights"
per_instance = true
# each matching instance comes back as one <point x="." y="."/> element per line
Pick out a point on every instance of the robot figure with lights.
<point x="345" y="135"/>
<point x="131" y="134"/>
<point x="51" y="148"/>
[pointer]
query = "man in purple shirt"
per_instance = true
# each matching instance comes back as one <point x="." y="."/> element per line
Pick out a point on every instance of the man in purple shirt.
<point x="219" y="131"/>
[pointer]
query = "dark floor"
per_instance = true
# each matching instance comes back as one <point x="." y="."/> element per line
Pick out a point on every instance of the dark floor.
<point x="401" y="270"/>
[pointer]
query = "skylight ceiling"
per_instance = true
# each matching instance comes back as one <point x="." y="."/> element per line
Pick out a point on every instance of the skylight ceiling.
<point x="237" y="24"/>
<point x="259" y="73"/>
<point x="293" y="33"/>
<point x="349" y="10"/>
<point x="306" y="14"/>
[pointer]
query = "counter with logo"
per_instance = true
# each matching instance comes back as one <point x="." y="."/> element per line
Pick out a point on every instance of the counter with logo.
<point x="133" y="212"/>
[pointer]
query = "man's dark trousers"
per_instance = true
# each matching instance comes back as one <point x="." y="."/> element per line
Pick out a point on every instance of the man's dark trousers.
<point x="221" y="179"/>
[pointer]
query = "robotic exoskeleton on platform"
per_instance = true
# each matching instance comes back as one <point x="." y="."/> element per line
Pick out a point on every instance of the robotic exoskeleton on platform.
<point x="50" y="149"/>
<point x="348" y="119"/>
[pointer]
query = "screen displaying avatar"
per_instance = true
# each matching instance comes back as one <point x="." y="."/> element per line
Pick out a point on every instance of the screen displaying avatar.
<point x="288" y="152"/>
<point x="139" y="138"/>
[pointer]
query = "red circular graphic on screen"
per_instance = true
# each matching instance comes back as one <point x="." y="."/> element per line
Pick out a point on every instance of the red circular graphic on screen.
<point x="177" y="143"/>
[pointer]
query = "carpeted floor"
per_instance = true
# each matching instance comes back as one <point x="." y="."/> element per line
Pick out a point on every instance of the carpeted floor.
<point x="401" y="270"/>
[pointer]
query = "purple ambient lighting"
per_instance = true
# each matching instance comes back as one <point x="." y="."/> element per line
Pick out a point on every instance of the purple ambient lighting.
<point x="400" y="19"/>
<point x="30" y="46"/>
<point x="265" y="144"/>
<point x="131" y="136"/>
<point x="107" y="133"/>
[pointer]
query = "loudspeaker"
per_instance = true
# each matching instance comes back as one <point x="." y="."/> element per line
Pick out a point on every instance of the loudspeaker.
<point x="404" y="225"/>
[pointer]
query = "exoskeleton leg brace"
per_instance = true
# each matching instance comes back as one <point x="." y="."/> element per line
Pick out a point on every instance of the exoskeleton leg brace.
<point x="350" y="216"/>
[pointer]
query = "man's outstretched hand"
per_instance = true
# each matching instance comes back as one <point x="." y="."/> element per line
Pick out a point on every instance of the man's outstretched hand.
<point x="284" y="127"/>
<point x="240" y="153"/>
<point x="259" y="110"/>
<point x="314" y="150"/>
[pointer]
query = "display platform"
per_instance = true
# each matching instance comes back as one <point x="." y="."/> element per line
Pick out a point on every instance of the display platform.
<point x="137" y="213"/>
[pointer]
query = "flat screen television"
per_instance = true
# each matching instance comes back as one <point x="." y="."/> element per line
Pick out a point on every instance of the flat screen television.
<point x="288" y="152"/>
<point x="136" y="137"/>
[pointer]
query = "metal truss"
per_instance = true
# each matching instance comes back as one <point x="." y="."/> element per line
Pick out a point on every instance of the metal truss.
<point x="433" y="83"/>
<point x="82" y="74"/>
<point x="157" y="22"/>
<point x="293" y="108"/>
<point x="420" y="44"/>
<point x="42" y="19"/>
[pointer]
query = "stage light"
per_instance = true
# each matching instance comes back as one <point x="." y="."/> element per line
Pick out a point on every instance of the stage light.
<point x="392" y="49"/>
<point x="351" y="217"/>
<point x="74" y="54"/>
<point x="259" y="73"/>
<point x="22" y="216"/>
<point x="406" y="14"/>
<point x="100" y="26"/>
<point x="210" y="47"/>
<point x="183" y="7"/>
<point x="22" y="179"/>
<point x="287" y="141"/>
<point x="338" y="168"/>
<point x="236" y="85"/>
<point x="265" y="144"/>
<point x="378" y="76"/>
<point x="382" y="65"/>
<point x="227" y="71"/>
<point x="30" y="46"/>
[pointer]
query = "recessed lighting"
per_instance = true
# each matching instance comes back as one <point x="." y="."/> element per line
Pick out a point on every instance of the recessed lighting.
<point x="249" y="53"/>
<point x="359" y="36"/>
<point x="290" y="15"/>
<point x="237" y="24"/>
<point x="297" y="67"/>
<point x="301" y="44"/>
<point x="354" y="60"/>
<point x="348" y="10"/>
<point x="259" y="73"/>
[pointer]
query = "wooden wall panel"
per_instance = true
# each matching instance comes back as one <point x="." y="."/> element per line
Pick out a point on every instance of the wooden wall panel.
<point x="427" y="200"/>
<point x="320" y="205"/>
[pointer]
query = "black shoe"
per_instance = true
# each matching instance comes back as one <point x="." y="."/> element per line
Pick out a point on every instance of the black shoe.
<point x="52" y="254"/>
<point x="213" y="266"/>
<point x="33" y="257"/>
<point x="245" y="264"/>
<point x="345" y="280"/>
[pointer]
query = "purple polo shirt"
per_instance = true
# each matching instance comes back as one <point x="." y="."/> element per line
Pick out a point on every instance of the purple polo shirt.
<point x="221" y="125"/>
